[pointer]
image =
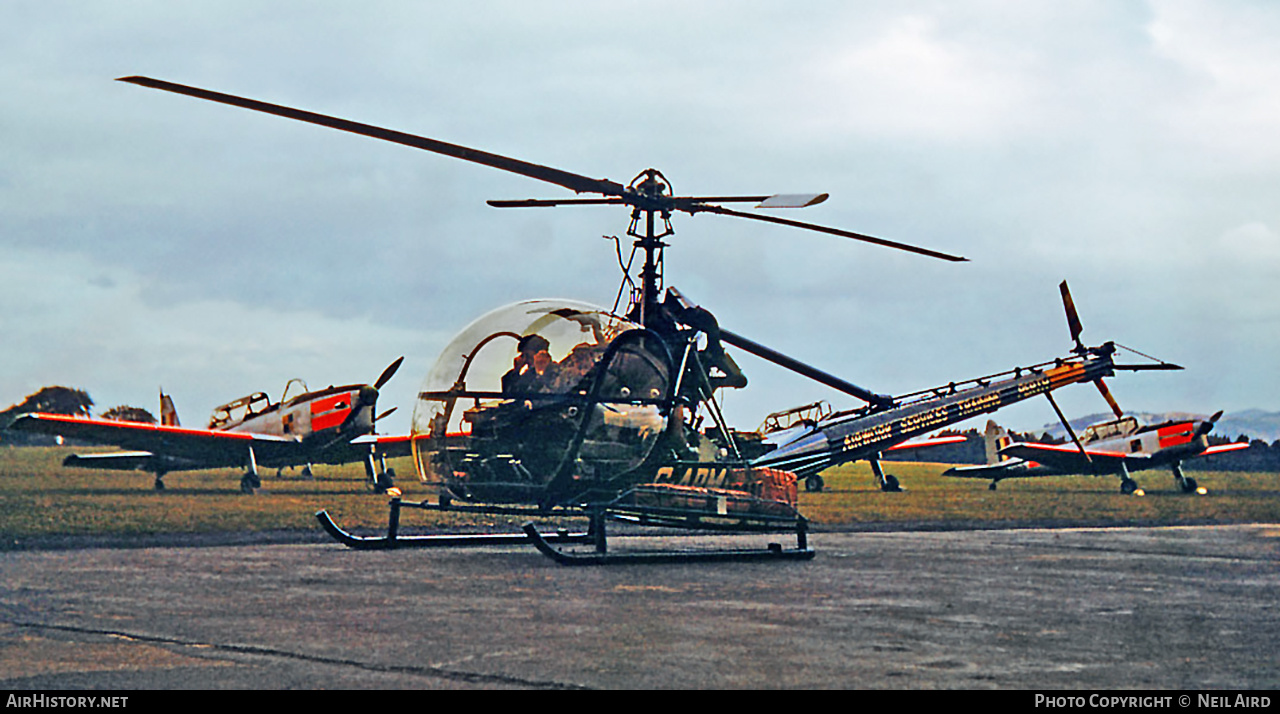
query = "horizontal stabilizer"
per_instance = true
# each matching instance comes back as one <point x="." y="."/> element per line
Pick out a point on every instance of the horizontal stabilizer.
<point x="120" y="461"/>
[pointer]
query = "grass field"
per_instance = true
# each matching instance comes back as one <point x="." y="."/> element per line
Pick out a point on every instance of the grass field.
<point x="39" y="497"/>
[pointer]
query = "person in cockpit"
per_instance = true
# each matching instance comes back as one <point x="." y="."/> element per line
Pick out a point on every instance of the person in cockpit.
<point x="533" y="368"/>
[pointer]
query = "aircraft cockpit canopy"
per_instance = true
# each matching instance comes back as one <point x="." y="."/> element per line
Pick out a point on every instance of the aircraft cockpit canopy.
<point x="1111" y="429"/>
<point x="486" y="360"/>
<point x="240" y="409"/>
<point x="293" y="389"/>
<point x="517" y="381"/>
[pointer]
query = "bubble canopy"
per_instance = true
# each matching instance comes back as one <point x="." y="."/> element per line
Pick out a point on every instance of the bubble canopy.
<point x="537" y="387"/>
<point x="478" y="358"/>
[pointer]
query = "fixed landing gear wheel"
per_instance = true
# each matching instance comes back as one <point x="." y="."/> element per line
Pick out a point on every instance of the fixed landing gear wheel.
<point x="814" y="484"/>
<point x="249" y="483"/>
<point x="1189" y="485"/>
<point x="386" y="481"/>
<point x="890" y="484"/>
<point x="159" y="484"/>
<point x="992" y="486"/>
<point x="1128" y="486"/>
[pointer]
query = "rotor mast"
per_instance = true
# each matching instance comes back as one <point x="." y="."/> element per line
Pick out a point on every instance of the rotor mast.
<point x="651" y="185"/>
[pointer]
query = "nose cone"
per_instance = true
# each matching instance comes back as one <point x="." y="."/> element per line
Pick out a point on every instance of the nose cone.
<point x="361" y="417"/>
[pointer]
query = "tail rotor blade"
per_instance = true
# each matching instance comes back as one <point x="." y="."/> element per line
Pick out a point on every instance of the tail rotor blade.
<point x="1111" y="400"/>
<point x="1073" y="318"/>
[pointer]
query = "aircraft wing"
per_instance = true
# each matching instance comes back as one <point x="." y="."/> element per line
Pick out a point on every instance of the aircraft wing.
<point x="1223" y="448"/>
<point x="116" y="460"/>
<point x="921" y="443"/>
<point x="389" y="445"/>
<point x="1003" y="469"/>
<point x="1067" y="459"/>
<point x="203" y="448"/>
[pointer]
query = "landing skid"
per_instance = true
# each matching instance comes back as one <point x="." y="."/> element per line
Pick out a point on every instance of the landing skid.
<point x="595" y="534"/>
<point x="393" y="540"/>
<point x="774" y="551"/>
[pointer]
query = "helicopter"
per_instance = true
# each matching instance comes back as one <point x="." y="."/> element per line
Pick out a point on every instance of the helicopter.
<point x="553" y="408"/>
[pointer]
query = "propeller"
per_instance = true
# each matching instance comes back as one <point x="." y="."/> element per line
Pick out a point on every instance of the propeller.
<point x="647" y="196"/>
<point x="368" y="396"/>
<point x="1207" y="426"/>
<point x="388" y="373"/>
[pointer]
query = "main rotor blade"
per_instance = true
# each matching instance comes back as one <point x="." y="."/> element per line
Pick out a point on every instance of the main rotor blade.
<point x="679" y="202"/>
<point x="776" y="357"/>
<point x="571" y="181"/>
<point x="789" y="200"/>
<point x="549" y="202"/>
<point x="705" y="208"/>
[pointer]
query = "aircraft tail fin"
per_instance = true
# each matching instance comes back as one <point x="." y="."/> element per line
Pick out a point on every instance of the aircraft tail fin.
<point x="994" y="438"/>
<point x="168" y="413"/>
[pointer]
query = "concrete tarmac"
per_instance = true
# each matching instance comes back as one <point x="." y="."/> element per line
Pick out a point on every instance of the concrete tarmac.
<point x="1135" y="608"/>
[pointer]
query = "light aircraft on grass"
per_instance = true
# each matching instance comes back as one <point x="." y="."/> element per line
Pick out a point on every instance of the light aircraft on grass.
<point x="1116" y="447"/>
<point x="556" y="409"/>
<point x="789" y="426"/>
<point x="1112" y="447"/>
<point x="334" y="425"/>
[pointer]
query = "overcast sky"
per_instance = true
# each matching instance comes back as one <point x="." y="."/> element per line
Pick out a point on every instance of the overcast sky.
<point x="151" y="240"/>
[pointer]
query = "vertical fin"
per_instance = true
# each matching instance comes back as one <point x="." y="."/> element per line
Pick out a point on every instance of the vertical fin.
<point x="168" y="413"/>
<point x="995" y="438"/>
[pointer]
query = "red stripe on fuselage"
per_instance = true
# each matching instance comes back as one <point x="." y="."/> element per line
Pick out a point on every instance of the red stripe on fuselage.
<point x="330" y="412"/>
<point x="1175" y="434"/>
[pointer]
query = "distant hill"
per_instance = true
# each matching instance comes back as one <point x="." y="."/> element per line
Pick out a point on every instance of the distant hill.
<point x="1253" y="423"/>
